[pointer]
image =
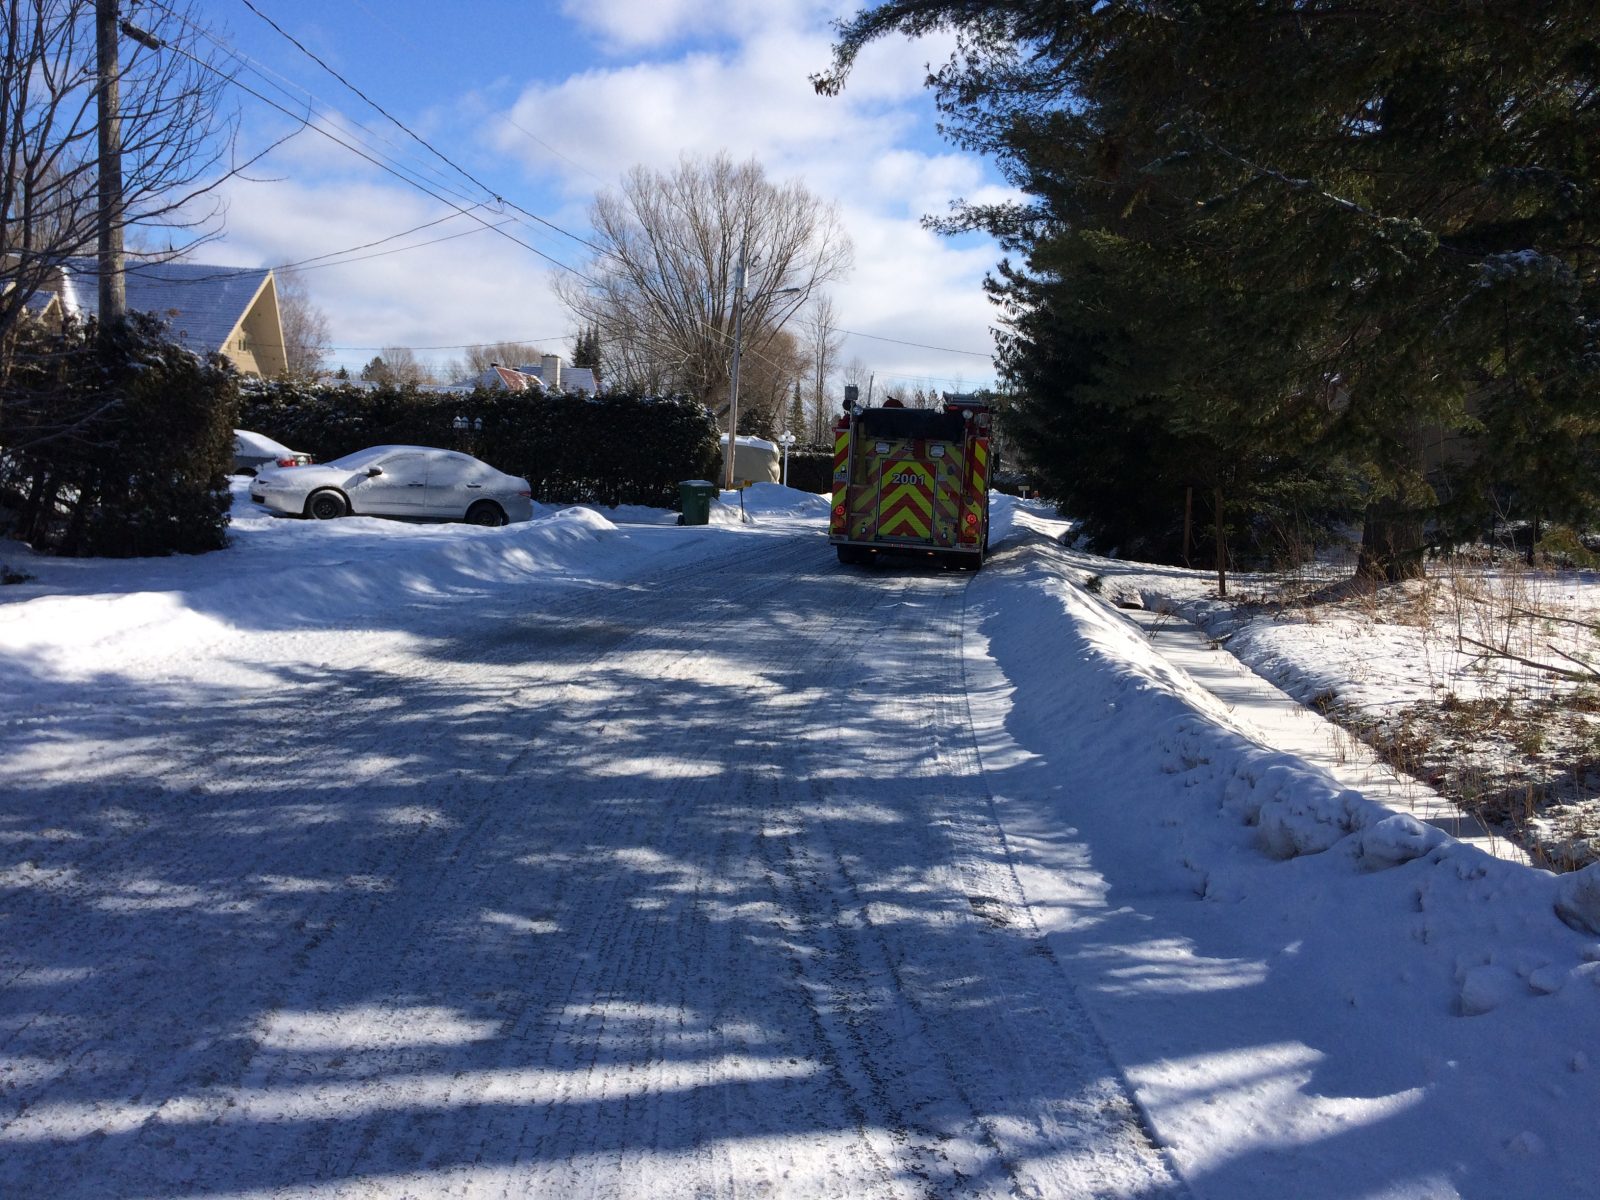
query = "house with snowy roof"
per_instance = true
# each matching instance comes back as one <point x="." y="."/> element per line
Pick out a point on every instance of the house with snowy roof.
<point x="231" y="311"/>
<point x="546" y="375"/>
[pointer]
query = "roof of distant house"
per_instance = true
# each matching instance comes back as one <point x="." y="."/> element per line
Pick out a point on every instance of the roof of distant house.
<point x="573" y="379"/>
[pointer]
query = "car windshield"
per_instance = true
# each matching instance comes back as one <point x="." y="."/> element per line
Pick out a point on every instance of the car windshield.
<point x="362" y="458"/>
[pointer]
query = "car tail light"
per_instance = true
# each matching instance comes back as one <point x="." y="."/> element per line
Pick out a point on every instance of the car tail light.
<point x="838" y="510"/>
<point x="526" y="493"/>
<point x="288" y="462"/>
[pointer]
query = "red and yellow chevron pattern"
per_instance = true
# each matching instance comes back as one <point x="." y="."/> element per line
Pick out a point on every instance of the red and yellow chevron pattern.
<point x="841" y="480"/>
<point x="905" y="499"/>
<point x="977" y="490"/>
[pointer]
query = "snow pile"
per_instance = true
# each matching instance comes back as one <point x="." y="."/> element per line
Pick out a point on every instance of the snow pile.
<point x="76" y="618"/>
<point x="774" y="499"/>
<point x="1578" y="899"/>
<point x="1313" y="996"/>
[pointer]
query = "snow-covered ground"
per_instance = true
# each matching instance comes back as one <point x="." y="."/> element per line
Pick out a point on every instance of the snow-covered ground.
<point x="1439" y="673"/>
<point x="600" y="856"/>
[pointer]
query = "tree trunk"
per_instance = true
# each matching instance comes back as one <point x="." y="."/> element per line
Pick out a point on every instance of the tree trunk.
<point x="42" y="518"/>
<point x="1222" y="544"/>
<point x="30" y="506"/>
<point x="1392" y="545"/>
<point x="1533" y="543"/>
<point x="1188" y="524"/>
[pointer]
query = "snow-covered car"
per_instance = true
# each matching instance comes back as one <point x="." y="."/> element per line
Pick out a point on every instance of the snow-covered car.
<point x="253" y="451"/>
<point x="420" y="483"/>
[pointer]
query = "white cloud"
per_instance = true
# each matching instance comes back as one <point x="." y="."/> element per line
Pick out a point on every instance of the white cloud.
<point x="869" y="150"/>
<point x="475" y="288"/>
<point x="633" y="25"/>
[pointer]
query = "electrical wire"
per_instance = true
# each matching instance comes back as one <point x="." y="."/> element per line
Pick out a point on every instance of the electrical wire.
<point x="919" y="345"/>
<point x="418" y="138"/>
<point x="376" y="158"/>
<point x="325" y="112"/>
<point x="267" y="100"/>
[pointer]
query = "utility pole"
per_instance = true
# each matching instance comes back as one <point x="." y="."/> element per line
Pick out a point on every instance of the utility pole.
<point x="733" y="383"/>
<point x="113" y="293"/>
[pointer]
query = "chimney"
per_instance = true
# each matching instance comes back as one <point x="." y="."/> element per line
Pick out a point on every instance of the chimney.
<point x="550" y="370"/>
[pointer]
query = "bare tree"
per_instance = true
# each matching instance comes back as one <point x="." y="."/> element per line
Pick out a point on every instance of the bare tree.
<point x="661" y="290"/>
<point x="305" y="328"/>
<point x="478" y="359"/>
<point x="404" y="367"/>
<point x="767" y="379"/>
<point x="822" y="345"/>
<point x="396" y="366"/>
<point x="170" y="105"/>
<point x="857" y="375"/>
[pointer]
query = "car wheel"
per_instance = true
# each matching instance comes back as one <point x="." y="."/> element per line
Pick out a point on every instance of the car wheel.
<point x="325" y="506"/>
<point x="486" y="513"/>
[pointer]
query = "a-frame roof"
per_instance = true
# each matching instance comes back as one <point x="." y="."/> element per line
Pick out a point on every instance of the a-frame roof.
<point x="202" y="304"/>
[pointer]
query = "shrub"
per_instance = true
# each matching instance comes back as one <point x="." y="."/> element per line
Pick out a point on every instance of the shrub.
<point x="612" y="449"/>
<point x="119" y="446"/>
<point x="811" y="470"/>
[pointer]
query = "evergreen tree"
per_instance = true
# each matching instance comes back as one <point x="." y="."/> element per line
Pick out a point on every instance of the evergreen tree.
<point x="586" y="347"/>
<point x="1312" y="232"/>
<point x="797" y="413"/>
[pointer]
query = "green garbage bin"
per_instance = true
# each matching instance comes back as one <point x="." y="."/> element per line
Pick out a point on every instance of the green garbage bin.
<point x="695" y="496"/>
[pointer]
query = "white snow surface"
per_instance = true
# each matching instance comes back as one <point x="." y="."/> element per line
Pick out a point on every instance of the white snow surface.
<point x="599" y="856"/>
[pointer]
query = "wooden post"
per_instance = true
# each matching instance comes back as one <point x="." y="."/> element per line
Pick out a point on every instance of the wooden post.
<point x="113" y="296"/>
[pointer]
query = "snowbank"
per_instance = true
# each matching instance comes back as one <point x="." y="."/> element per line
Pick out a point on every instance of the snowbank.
<point x="1313" y="996"/>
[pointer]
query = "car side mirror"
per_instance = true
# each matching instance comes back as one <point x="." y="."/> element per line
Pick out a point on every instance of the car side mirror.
<point x="371" y="471"/>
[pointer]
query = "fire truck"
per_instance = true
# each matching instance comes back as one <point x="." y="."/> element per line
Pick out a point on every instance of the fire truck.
<point x="912" y="481"/>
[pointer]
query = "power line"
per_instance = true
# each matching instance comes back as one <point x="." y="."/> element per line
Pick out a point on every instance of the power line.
<point x="531" y="341"/>
<point x="269" y="76"/>
<point x="315" y="262"/>
<point x="720" y="334"/>
<point x="533" y="137"/>
<point x="416" y="137"/>
<point x="267" y="100"/>
<point x="919" y="345"/>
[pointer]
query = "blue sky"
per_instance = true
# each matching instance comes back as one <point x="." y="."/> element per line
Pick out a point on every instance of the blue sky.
<point x="545" y="104"/>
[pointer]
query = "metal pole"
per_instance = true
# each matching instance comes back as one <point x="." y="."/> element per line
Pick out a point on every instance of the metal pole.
<point x="733" y="387"/>
<point x="113" y="293"/>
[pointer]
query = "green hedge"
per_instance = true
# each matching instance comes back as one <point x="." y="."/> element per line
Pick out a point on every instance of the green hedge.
<point x="811" y="470"/>
<point x="116" y="447"/>
<point x="613" y="449"/>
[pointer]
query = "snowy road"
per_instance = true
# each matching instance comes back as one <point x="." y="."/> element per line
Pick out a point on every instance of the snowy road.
<point x="687" y="883"/>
